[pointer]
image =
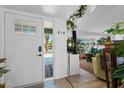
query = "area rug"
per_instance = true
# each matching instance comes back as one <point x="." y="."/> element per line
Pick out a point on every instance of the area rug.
<point x="88" y="66"/>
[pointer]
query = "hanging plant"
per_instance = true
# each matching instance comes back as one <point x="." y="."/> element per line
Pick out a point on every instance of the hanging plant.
<point x="76" y="15"/>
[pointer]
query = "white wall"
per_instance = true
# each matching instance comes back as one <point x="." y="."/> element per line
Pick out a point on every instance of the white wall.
<point x="60" y="65"/>
<point x="1" y="40"/>
<point x="1" y="33"/>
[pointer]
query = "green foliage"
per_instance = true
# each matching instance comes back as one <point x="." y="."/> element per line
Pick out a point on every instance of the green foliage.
<point x="94" y="51"/>
<point x="117" y="28"/>
<point x="103" y="41"/>
<point x="83" y="46"/>
<point x="100" y="41"/>
<point x="119" y="50"/>
<point x="3" y="71"/>
<point x="70" y="25"/>
<point x="118" y="73"/>
<point x="76" y="15"/>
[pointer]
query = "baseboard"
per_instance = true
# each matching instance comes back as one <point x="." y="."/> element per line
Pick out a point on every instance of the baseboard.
<point x="60" y="77"/>
<point x="31" y="84"/>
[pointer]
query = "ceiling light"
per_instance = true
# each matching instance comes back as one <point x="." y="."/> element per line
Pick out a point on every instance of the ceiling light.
<point x="49" y="8"/>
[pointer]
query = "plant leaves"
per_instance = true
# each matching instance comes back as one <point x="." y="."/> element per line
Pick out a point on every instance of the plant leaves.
<point x="3" y="71"/>
<point x="77" y="14"/>
<point x="118" y="72"/>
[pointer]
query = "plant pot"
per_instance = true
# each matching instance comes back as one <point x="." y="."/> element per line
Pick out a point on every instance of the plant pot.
<point x="2" y="85"/>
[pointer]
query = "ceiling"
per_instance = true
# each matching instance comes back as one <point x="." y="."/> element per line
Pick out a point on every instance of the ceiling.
<point x="56" y="11"/>
<point x="91" y="25"/>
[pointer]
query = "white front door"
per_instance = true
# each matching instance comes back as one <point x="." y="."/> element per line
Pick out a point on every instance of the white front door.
<point x="23" y="36"/>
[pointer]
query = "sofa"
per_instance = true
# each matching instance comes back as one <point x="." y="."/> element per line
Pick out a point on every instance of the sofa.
<point x="97" y="67"/>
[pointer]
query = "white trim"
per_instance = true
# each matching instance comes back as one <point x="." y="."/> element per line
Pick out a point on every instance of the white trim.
<point x="54" y="50"/>
<point x="48" y="79"/>
<point x="31" y="84"/>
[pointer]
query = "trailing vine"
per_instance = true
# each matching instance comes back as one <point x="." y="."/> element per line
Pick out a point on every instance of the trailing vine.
<point x="71" y="25"/>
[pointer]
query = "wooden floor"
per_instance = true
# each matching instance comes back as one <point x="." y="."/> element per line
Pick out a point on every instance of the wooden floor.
<point x="84" y="80"/>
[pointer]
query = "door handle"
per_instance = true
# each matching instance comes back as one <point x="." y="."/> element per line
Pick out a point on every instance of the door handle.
<point x="39" y="55"/>
<point x="40" y="49"/>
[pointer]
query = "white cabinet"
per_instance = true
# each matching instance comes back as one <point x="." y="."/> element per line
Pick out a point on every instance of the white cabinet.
<point x="73" y="64"/>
